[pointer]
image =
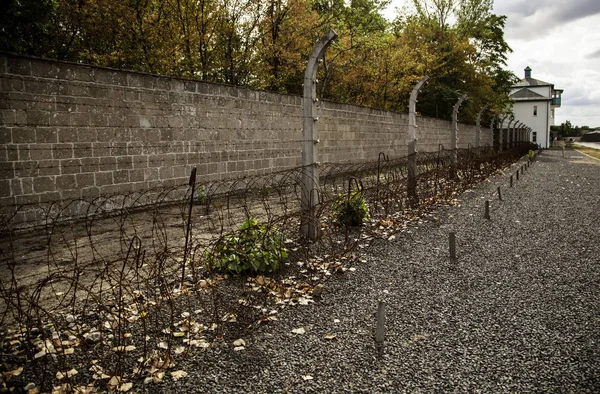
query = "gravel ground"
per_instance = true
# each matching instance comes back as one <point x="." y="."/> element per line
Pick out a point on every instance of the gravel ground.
<point x="517" y="311"/>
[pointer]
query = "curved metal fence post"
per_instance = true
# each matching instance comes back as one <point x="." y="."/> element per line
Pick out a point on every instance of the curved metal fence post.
<point x="507" y="134"/>
<point x="501" y="134"/>
<point x="454" y="135"/>
<point x="411" y="190"/>
<point x="478" y="132"/>
<point x="309" y="226"/>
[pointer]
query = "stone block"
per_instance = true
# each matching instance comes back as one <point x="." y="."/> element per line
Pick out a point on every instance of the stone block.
<point x="8" y="117"/>
<point x="66" y="182"/>
<point x="70" y="166"/>
<point x="119" y="149"/>
<point x="101" y="149"/>
<point x="6" y="189"/>
<point x="85" y="180"/>
<point x="124" y="162"/>
<point x="90" y="164"/>
<point x="140" y="161"/>
<point x="38" y="118"/>
<point x="136" y="175"/>
<point x="26" y="169"/>
<point x="151" y="174"/>
<point x="107" y="163"/>
<point x="166" y="173"/>
<point x="49" y="167"/>
<point x="42" y="184"/>
<point x="67" y="135"/>
<point x="62" y="151"/>
<point x="59" y="119"/>
<point x="103" y="178"/>
<point x="24" y="152"/>
<point x="87" y="134"/>
<point x="79" y="119"/>
<point x="23" y="135"/>
<point x="5" y="136"/>
<point x="27" y="199"/>
<point x="82" y="149"/>
<point x="19" y="66"/>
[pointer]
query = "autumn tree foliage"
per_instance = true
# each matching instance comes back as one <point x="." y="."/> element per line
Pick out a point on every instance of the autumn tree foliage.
<point x="264" y="44"/>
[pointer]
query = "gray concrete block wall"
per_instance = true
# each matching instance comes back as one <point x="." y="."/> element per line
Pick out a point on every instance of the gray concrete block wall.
<point x="71" y="131"/>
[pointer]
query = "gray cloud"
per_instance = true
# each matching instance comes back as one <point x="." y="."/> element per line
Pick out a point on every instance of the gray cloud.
<point x="579" y="101"/>
<point x="561" y="10"/>
<point x="534" y="18"/>
<point x="593" y="55"/>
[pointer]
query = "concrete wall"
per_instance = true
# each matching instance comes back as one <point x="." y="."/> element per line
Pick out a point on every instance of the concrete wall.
<point x="72" y="131"/>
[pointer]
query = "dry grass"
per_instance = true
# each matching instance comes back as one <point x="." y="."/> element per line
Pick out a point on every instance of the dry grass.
<point x="589" y="151"/>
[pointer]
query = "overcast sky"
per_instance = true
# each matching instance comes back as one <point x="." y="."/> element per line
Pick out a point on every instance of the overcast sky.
<point x="560" y="41"/>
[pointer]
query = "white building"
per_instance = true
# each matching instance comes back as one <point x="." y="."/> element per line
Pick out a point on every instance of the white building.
<point x="535" y="102"/>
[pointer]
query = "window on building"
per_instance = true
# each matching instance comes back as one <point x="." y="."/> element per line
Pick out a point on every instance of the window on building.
<point x="535" y="110"/>
<point x="534" y="134"/>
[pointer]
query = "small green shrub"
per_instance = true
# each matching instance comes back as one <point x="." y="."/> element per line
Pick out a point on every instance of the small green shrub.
<point x="350" y="211"/>
<point x="250" y="249"/>
<point x="200" y="197"/>
<point x="531" y="154"/>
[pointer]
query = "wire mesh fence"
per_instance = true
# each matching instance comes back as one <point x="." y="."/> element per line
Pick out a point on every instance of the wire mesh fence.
<point x="122" y="284"/>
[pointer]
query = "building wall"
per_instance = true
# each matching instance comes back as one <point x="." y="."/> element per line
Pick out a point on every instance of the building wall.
<point x="523" y="111"/>
<point x="71" y="131"/>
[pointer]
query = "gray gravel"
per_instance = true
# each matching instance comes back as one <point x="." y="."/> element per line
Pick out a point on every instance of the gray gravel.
<point x="518" y="311"/>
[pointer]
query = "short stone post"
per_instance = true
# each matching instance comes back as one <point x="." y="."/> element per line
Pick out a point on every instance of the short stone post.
<point x="452" y="240"/>
<point x="486" y="215"/>
<point x="499" y="194"/>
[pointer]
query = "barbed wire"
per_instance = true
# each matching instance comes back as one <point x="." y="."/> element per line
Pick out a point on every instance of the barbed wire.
<point x="124" y="277"/>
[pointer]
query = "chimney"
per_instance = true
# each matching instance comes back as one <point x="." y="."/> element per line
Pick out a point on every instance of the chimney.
<point x="527" y="72"/>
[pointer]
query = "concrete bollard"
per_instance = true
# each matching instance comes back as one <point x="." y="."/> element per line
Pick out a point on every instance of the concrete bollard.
<point x="499" y="194"/>
<point x="511" y="181"/>
<point x="486" y="215"/>
<point x="452" y="240"/>
<point x="380" y="331"/>
<point x="517" y="175"/>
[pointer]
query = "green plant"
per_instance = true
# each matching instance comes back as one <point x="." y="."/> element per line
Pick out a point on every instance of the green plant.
<point x="531" y="154"/>
<point x="252" y="248"/>
<point x="350" y="210"/>
<point x="200" y="197"/>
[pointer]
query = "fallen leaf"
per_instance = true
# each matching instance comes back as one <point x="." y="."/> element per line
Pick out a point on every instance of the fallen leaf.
<point x="126" y="387"/>
<point x="307" y="377"/>
<point x="300" y="330"/>
<point x="15" y="372"/>
<point x="330" y="336"/>
<point x="179" y="350"/>
<point x="239" y="342"/>
<point x="238" y="348"/>
<point x="178" y="375"/>
<point x="69" y="350"/>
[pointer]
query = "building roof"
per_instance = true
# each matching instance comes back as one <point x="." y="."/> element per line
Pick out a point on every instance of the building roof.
<point x="527" y="94"/>
<point x="528" y="81"/>
<point x="532" y="82"/>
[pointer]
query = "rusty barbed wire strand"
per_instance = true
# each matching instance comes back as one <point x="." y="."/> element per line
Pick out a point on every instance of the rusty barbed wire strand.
<point x="105" y="273"/>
